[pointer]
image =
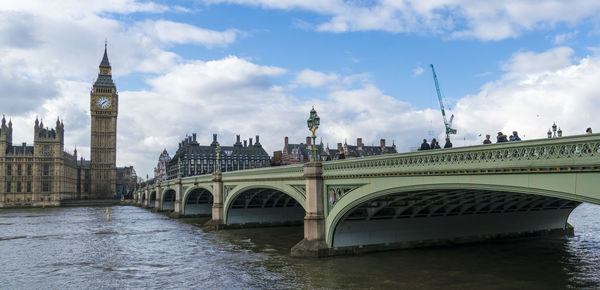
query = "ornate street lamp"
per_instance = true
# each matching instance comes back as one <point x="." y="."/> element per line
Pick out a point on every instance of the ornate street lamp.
<point x="218" y="163"/>
<point x="313" y="124"/>
<point x="554" y="133"/>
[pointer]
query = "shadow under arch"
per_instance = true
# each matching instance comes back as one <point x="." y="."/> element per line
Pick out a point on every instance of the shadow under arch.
<point x="168" y="199"/>
<point x="197" y="200"/>
<point x="263" y="204"/>
<point x="152" y="199"/>
<point x="421" y="215"/>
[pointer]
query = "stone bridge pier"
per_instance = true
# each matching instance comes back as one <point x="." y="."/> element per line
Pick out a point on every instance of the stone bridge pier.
<point x="158" y="201"/>
<point x="313" y="244"/>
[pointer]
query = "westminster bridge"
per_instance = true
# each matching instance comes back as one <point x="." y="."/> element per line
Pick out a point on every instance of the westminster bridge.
<point x="400" y="200"/>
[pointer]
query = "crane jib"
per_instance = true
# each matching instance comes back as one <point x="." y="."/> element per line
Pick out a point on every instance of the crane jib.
<point x="447" y="124"/>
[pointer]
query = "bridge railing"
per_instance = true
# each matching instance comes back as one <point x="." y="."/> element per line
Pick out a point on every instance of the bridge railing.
<point x="580" y="152"/>
<point x="275" y="172"/>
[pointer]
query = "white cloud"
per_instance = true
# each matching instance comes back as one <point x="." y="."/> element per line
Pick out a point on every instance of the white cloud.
<point x="528" y="62"/>
<point x="179" y="33"/>
<point x="484" y="20"/>
<point x="531" y="96"/>
<point x="418" y="71"/>
<point x="564" y="37"/>
<point x="315" y="79"/>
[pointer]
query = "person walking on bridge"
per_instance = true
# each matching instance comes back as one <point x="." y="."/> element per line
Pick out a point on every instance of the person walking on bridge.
<point x="434" y="144"/>
<point x="425" y="145"/>
<point x="448" y="143"/>
<point x="516" y="136"/>
<point x="487" y="139"/>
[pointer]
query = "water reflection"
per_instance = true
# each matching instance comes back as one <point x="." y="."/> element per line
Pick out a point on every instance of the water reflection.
<point x="78" y="248"/>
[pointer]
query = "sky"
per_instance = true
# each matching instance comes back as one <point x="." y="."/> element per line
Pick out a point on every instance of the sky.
<point x="257" y="67"/>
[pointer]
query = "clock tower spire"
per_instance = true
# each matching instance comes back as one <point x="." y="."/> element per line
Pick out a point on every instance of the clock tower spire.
<point x="104" y="102"/>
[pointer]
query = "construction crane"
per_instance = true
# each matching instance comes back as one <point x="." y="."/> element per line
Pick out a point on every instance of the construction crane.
<point x="447" y="124"/>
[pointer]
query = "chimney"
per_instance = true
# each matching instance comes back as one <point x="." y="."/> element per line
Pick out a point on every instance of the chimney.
<point x="307" y="141"/>
<point x="194" y="136"/>
<point x="214" y="137"/>
<point x="340" y="148"/>
<point x="359" y="143"/>
<point x="245" y="143"/>
<point x="24" y="144"/>
<point x="285" y="141"/>
<point x="237" y="139"/>
<point x="249" y="141"/>
<point x="257" y="142"/>
<point x="382" y="143"/>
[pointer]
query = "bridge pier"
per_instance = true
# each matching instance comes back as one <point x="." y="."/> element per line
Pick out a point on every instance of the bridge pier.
<point x="147" y="199"/>
<point x="217" y="219"/>
<point x="139" y="198"/>
<point x="313" y="244"/>
<point x="177" y="210"/>
<point x="158" y="201"/>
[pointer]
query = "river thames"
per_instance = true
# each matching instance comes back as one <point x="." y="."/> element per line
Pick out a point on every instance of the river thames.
<point x="76" y="248"/>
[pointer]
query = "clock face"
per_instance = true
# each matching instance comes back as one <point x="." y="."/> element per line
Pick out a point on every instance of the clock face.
<point x="103" y="102"/>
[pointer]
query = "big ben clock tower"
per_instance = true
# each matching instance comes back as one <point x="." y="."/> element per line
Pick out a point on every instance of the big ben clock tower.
<point x="104" y="105"/>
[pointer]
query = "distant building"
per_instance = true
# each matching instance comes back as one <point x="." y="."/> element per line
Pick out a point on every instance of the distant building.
<point x="126" y="181"/>
<point x="300" y="153"/>
<point x="360" y="150"/>
<point x="193" y="159"/>
<point x="277" y="158"/>
<point x="160" y="171"/>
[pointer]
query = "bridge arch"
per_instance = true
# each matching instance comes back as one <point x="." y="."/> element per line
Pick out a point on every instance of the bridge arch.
<point x="262" y="204"/>
<point x="167" y="199"/>
<point x="142" y="198"/>
<point x="152" y="198"/>
<point x="418" y="214"/>
<point x="197" y="200"/>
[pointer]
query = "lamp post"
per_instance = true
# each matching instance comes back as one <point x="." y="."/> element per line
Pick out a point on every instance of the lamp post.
<point x="313" y="124"/>
<point x="218" y="163"/>
<point x="554" y="133"/>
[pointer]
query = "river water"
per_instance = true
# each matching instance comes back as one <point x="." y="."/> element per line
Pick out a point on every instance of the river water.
<point x="76" y="248"/>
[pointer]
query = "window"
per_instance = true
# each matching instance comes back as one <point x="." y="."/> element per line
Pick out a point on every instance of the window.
<point x="29" y="169"/>
<point x="8" y="187"/>
<point x="19" y="186"/>
<point x="19" y="170"/>
<point x="28" y="186"/>
<point x="46" y="149"/>
<point x="46" y="169"/>
<point x="45" y="186"/>
<point x="9" y="169"/>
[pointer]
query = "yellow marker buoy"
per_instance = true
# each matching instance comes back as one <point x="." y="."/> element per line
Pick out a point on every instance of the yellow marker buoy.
<point x="107" y="215"/>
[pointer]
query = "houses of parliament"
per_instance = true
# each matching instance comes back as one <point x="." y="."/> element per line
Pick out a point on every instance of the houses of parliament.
<point x="43" y="174"/>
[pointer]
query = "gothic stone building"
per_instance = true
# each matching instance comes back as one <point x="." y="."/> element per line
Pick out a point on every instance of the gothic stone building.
<point x="193" y="159"/>
<point x="160" y="171"/>
<point x="44" y="174"/>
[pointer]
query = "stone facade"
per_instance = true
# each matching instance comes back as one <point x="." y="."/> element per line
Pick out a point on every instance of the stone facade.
<point x="193" y="159"/>
<point x="42" y="174"/>
<point x="160" y="171"/>
<point x="104" y="108"/>
<point x="126" y="181"/>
